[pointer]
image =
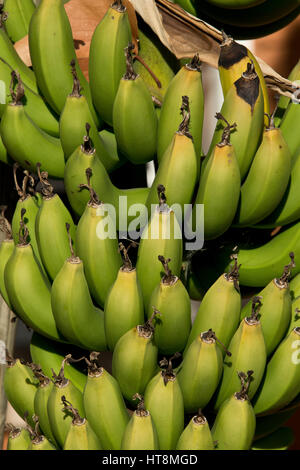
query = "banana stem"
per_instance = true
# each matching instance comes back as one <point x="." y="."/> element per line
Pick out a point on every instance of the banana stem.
<point x="255" y="310"/>
<point x="87" y="146"/>
<point x="94" y="366"/>
<point x="184" y="126"/>
<point x="245" y="384"/>
<point x="18" y="95"/>
<point x="250" y="73"/>
<point x="130" y="73"/>
<point x="47" y="188"/>
<point x="162" y="200"/>
<point x="4" y="224"/>
<point x="76" y="83"/>
<point x="199" y="418"/>
<point x="168" y="277"/>
<point x="282" y="281"/>
<point x="233" y="275"/>
<point x="118" y="5"/>
<point x="23" y="230"/>
<point x="168" y="373"/>
<point x="225" y="139"/>
<point x="211" y="335"/>
<point x="59" y="379"/>
<point x="38" y="373"/>
<point x="12" y="430"/>
<point x="21" y="193"/>
<point x="141" y="410"/>
<point x="74" y="412"/>
<point x="127" y="263"/>
<point x="195" y="64"/>
<point x="147" y="329"/>
<point x="94" y="200"/>
<point x="10" y="361"/>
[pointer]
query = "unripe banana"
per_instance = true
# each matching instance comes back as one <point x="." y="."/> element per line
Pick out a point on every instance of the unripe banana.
<point x="6" y="249"/>
<point x="275" y="309"/>
<point x="284" y="101"/>
<point x="18" y="438"/>
<point x="75" y="314"/>
<point x="287" y="126"/>
<point x="196" y="435"/>
<point x="220" y="308"/>
<point x="178" y="165"/>
<point x="219" y="188"/>
<point x="234" y="426"/>
<point x="295" y="318"/>
<point x="49" y="355"/>
<point x="267" y="179"/>
<point x="41" y="400"/>
<point x="281" y="439"/>
<point x="25" y="142"/>
<point x="99" y="252"/>
<point x="201" y="371"/>
<point x="233" y="60"/>
<point x="134" y="359"/>
<point x="34" y="104"/>
<point x="281" y="383"/>
<point x="20" y="386"/>
<point x="161" y="237"/>
<point x="248" y="352"/>
<point x="266" y="425"/>
<point x="51" y="48"/>
<point x="120" y="317"/>
<point x="134" y="116"/>
<point x="80" y="435"/>
<point x="50" y="228"/>
<point x="104" y="405"/>
<point x="19" y="14"/>
<point x="10" y="55"/>
<point x="187" y="82"/>
<point x="140" y="432"/>
<point x="164" y="400"/>
<point x="172" y="300"/>
<point x="4" y="157"/>
<point x="107" y="63"/>
<point x="25" y="281"/>
<point x="60" y="422"/>
<point x="244" y="105"/>
<point x="75" y="173"/>
<point x="38" y="440"/>
<point x="262" y="264"/>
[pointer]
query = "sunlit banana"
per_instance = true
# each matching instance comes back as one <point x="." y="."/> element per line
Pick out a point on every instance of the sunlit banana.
<point x="99" y="252"/>
<point x="234" y="426"/>
<point x="107" y="63"/>
<point x="248" y="352"/>
<point x="104" y="405"/>
<point x="75" y="315"/>
<point x="164" y="400"/>
<point x="122" y="317"/>
<point x="187" y="82"/>
<point x="52" y="48"/>
<point x="140" y="432"/>
<point x="172" y="300"/>
<point x="196" y="435"/>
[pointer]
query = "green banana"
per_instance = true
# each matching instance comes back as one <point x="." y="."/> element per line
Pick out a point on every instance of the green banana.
<point x="107" y="63"/>
<point x="220" y="308"/>
<point x="275" y="309"/>
<point x="104" y="405"/>
<point x="122" y="317"/>
<point x="50" y="223"/>
<point x="75" y="315"/>
<point x="244" y="104"/>
<point x="75" y="114"/>
<point x="20" y="386"/>
<point x="4" y="157"/>
<point x="172" y="300"/>
<point x="266" y="425"/>
<point x="178" y="165"/>
<point x="99" y="252"/>
<point x="19" y="13"/>
<point x="134" y="117"/>
<point x="284" y="101"/>
<point x="295" y="318"/>
<point x="160" y="237"/>
<point x="6" y="249"/>
<point x="38" y="440"/>
<point x="187" y="82"/>
<point x="49" y="355"/>
<point x="262" y="264"/>
<point x="287" y="127"/>
<point x="200" y="371"/>
<point x="41" y="400"/>
<point x="10" y="55"/>
<point x="34" y="104"/>
<point x="18" y="438"/>
<point x="25" y="142"/>
<point x="281" y="383"/>
<point x="80" y="435"/>
<point x="219" y="188"/>
<point x="24" y="281"/>
<point x="281" y="439"/>
<point x="60" y="422"/>
<point x="75" y="173"/>
<point x="267" y="179"/>
<point x="164" y="400"/>
<point x="234" y="426"/>
<point x="232" y="62"/>
<point x="295" y="287"/>
<point x="248" y="351"/>
<point x="51" y="49"/>
<point x="140" y="432"/>
<point x="196" y="435"/>
<point x="134" y="359"/>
